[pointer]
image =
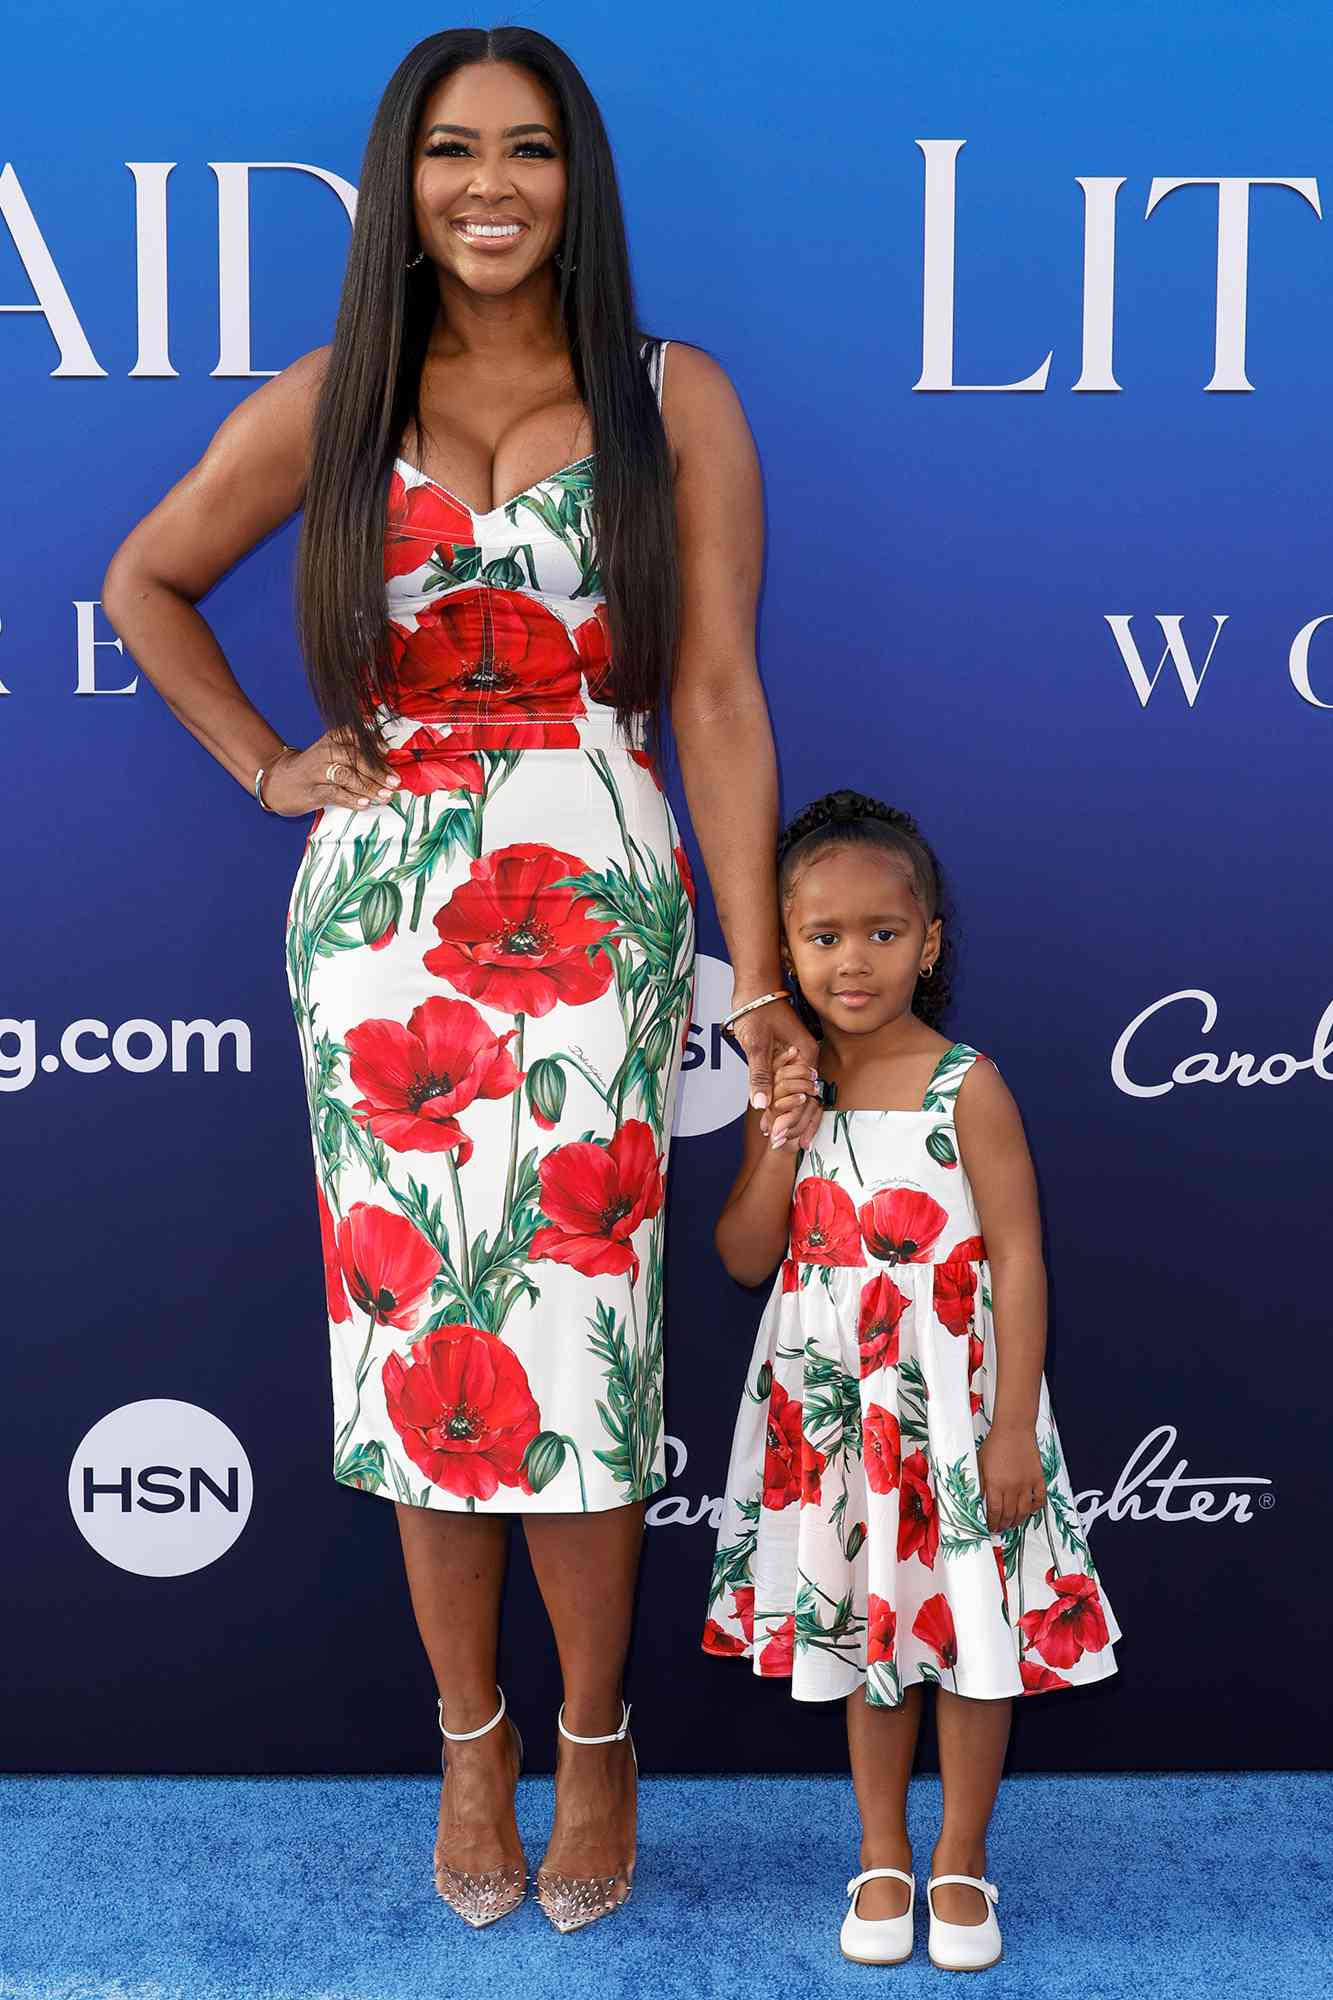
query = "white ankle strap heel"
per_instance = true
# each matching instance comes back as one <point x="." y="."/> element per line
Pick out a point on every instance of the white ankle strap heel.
<point x="616" y="1736"/>
<point x="878" y="1940"/>
<point x="481" y="1899"/>
<point x="964" y="1947"/>
<point x="571" y="1902"/>
<point x="471" y="1735"/>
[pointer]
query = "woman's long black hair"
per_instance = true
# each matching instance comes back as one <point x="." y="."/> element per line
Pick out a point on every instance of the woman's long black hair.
<point x="371" y="391"/>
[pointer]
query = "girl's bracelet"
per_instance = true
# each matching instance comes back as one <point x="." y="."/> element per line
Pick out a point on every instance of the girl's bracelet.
<point x="764" y="999"/>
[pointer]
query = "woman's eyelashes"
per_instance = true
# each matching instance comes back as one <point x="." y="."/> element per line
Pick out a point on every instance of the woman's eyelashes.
<point x="453" y="149"/>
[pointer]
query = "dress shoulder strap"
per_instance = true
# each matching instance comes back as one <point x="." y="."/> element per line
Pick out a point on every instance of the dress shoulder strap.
<point x="653" y="354"/>
<point x="947" y="1079"/>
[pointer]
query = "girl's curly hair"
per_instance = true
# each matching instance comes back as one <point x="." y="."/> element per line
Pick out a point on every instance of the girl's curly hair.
<point x="841" y="818"/>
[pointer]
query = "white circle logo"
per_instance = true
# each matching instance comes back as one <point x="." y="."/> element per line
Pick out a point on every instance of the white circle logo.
<point x="160" y="1488"/>
<point x="713" y="1079"/>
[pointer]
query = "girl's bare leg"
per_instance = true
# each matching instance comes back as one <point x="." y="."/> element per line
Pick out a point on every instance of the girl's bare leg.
<point x="973" y="1737"/>
<point x="882" y="1743"/>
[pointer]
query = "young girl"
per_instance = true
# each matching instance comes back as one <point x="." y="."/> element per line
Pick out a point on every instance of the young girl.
<point x="898" y="1510"/>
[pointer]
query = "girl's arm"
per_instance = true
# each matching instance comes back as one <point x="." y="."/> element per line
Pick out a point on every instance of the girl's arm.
<point x="752" y="1230"/>
<point x="249" y="481"/>
<point x="996" y="1160"/>
<point x="719" y="716"/>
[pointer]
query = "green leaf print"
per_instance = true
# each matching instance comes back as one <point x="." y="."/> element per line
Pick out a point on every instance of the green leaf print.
<point x="961" y="1509"/>
<point x="504" y="573"/>
<point x="842" y="1633"/>
<point x="733" y="1562"/>
<point x="948" y="1078"/>
<point x="940" y="1146"/>
<point x="362" y="1467"/>
<point x="544" y="1460"/>
<point x="463" y="569"/>
<point x="883" y="1687"/>
<point x="831" y="1407"/>
<point x="912" y="1398"/>
<point x="632" y="1413"/>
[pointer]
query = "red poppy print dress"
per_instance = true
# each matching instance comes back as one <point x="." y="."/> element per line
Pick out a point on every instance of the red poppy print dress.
<point x="491" y="975"/>
<point x="853" y="1546"/>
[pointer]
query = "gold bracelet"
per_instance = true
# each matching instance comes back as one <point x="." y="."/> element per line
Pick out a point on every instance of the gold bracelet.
<point x="749" y="1007"/>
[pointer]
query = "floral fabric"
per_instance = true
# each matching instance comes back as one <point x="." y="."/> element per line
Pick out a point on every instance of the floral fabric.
<point x="853" y="1546"/>
<point x="491" y="976"/>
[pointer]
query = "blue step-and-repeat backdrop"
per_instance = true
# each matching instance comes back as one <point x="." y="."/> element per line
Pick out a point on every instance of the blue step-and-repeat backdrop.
<point x="1030" y="311"/>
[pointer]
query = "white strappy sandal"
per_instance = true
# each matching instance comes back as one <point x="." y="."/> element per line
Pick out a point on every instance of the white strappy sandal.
<point x="878" y="1940"/>
<point x="571" y="1901"/>
<point x="483" y="1898"/>
<point x="964" y="1947"/>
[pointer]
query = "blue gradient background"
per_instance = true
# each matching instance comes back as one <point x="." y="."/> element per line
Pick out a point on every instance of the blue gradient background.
<point x="933" y="630"/>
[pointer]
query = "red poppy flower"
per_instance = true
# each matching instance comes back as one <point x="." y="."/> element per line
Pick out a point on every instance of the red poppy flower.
<point x="686" y="875"/>
<point x="955" y="1296"/>
<point x="419" y="523"/>
<point x="722" y="1643"/>
<point x="902" y="1225"/>
<point x="642" y="757"/>
<point x="779" y="1654"/>
<point x="881" y="1629"/>
<point x="976" y="1356"/>
<point x="512" y="938"/>
<point x="416" y="1079"/>
<point x="812" y="1464"/>
<point x="339" y="1310"/>
<point x="918" y="1521"/>
<point x="1036" y="1680"/>
<point x="823" y="1224"/>
<point x="882" y="1307"/>
<point x="430" y="761"/>
<point x="1075" y="1624"/>
<point x="791" y="1275"/>
<point x="934" y="1624"/>
<point x="594" y="1198"/>
<point x="387" y="1266"/>
<point x="971" y="1250"/>
<point x="463" y="1409"/>
<point x="782" y="1450"/>
<point x="881" y="1449"/>
<point x="592" y="643"/>
<point x="497" y="659"/>
<point x="998" y="1554"/>
<point x="743" y="1599"/>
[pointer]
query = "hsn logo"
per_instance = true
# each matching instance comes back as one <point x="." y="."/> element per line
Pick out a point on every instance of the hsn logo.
<point x="160" y="1488"/>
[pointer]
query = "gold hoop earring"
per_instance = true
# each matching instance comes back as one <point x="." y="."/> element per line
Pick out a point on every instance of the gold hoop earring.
<point x="926" y="972"/>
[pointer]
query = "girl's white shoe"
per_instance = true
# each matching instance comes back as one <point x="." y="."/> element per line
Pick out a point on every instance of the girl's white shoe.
<point x="964" y="1947"/>
<point x="878" y="1940"/>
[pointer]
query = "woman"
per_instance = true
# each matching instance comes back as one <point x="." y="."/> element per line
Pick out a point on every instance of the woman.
<point x="524" y="537"/>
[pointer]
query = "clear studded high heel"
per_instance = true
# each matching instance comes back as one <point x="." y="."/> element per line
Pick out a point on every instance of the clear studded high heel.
<point x="571" y="1901"/>
<point x="483" y="1898"/>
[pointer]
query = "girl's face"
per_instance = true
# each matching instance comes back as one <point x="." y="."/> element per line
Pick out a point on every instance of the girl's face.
<point x="489" y="180"/>
<point x="857" y="938"/>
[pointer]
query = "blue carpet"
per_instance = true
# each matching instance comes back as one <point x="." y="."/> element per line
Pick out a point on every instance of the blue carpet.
<point x="320" y="1889"/>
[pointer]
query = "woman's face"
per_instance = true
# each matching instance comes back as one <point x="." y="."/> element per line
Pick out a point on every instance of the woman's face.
<point x="489" y="186"/>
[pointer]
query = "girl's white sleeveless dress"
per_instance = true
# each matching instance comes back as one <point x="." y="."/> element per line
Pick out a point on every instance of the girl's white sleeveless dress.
<point x="853" y="1546"/>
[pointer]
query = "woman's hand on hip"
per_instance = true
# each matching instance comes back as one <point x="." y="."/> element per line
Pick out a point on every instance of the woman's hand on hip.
<point x="332" y="772"/>
<point x="772" y="1037"/>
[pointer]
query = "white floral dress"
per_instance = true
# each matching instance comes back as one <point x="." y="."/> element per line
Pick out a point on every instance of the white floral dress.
<point x="853" y="1546"/>
<point x="491" y="975"/>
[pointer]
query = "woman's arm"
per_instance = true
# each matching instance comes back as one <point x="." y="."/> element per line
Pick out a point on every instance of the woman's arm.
<point x="251" y="478"/>
<point x="995" y="1157"/>
<point x="718" y="712"/>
